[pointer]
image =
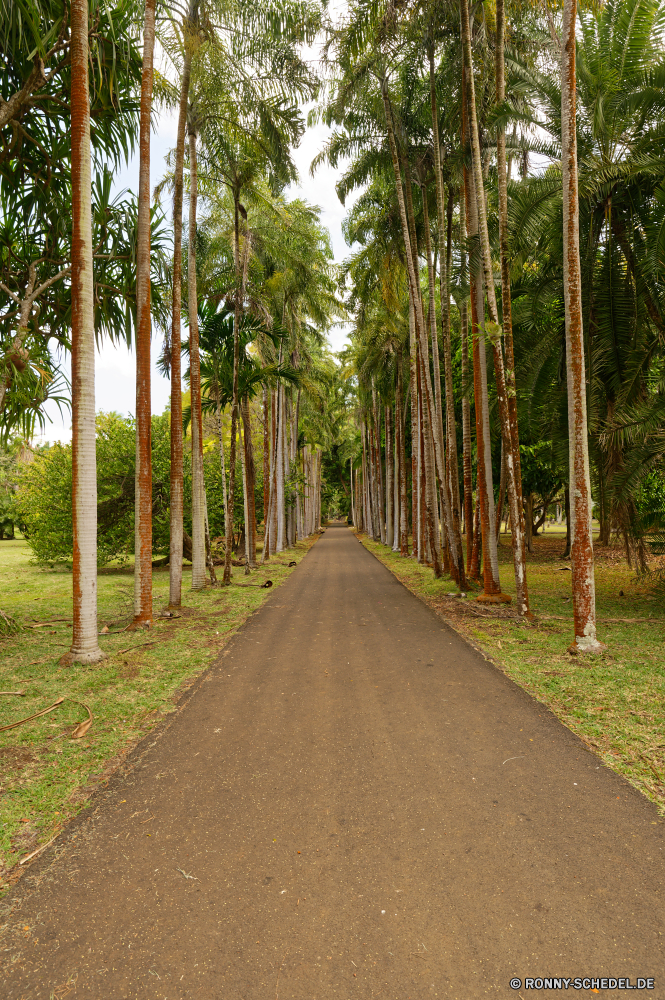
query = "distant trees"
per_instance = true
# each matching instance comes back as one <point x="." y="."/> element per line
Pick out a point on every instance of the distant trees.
<point x="436" y="107"/>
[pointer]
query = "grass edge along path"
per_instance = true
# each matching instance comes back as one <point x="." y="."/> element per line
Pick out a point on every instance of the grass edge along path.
<point x="613" y="702"/>
<point x="46" y="777"/>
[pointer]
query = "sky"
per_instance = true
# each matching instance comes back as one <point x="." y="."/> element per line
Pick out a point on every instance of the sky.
<point x="115" y="367"/>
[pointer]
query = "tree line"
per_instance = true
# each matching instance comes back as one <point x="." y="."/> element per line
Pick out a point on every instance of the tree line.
<point x="506" y="275"/>
<point x="252" y="276"/>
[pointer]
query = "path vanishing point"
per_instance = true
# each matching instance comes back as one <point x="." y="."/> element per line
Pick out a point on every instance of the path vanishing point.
<point x="352" y="804"/>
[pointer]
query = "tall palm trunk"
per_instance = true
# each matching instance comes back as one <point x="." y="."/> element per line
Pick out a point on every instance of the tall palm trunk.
<point x="234" y="395"/>
<point x="416" y="304"/>
<point x="433" y="452"/>
<point x="225" y="499"/>
<point x="492" y="329"/>
<point x="396" y="477"/>
<point x="466" y="406"/>
<point x="143" y="480"/>
<point x="176" y="473"/>
<point x="85" y="645"/>
<point x="484" y="478"/>
<point x="266" y="474"/>
<point x="269" y="515"/>
<point x="400" y="423"/>
<point x="517" y="507"/>
<point x="367" y="518"/>
<point x="583" y="581"/>
<point x="279" y="445"/>
<point x="250" y="525"/>
<point x="243" y="464"/>
<point x="452" y="478"/>
<point x="198" y="486"/>
<point x="390" y="493"/>
<point x="415" y="434"/>
<point x="378" y="477"/>
<point x="431" y="312"/>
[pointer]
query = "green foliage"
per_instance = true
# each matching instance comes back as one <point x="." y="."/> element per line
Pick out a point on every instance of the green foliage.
<point x="42" y="503"/>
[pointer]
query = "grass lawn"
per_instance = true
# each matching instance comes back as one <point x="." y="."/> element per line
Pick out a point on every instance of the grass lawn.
<point x="45" y="776"/>
<point x="616" y="701"/>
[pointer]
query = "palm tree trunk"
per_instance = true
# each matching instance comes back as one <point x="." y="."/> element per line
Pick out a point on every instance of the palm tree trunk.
<point x="390" y="493"/>
<point x="378" y="478"/>
<point x="250" y="471"/>
<point x="502" y="494"/>
<point x="273" y="477"/>
<point x="415" y="434"/>
<point x="85" y="645"/>
<point x="583" y="580"/>
<point x="245" y="494"/>
<point x="300" y="528"/>
<point x="143" y="480"/>
<point x="225" y="498"/>
<point x="269" y="516"/>
<point x="484" y="478"/>
<point x="433" y="449"/>
<point x="176" y="474"/>
<point x="198" y="486"/>
<point x="516" y="505"/>
<point x="466" y="406"/>
<point x="493" y="330"/>
<point x="266" y="474"/>
<point x="281" y="519"/>
<point x="368" y="519"/>
<point x="397" y="526"/>
<point x="451" y="480"/>
<point x="400" y="423"/>
<point x="234" y="397"/>
<point x="416" y="302"/>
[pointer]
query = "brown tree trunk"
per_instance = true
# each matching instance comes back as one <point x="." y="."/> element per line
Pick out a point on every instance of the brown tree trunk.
<point x="143" y="480"/>
<point x="451" y="476"/>
<point x="492" y="329"/>
<point x="266" y="474"/>
<point x="399" y="424"/>
<point x="390" y="472"/>
<point x="583" y="580"/>
<point x="234" y="398"/>
<point x="484" y="480"/>
<point x="416" y="302"/>
<point x="466" y="406"/>
<point x="517" y="509"/>
<point x="250" y="467"/>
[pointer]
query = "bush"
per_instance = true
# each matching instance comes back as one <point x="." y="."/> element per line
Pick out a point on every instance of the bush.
<point x="42" y="503"/>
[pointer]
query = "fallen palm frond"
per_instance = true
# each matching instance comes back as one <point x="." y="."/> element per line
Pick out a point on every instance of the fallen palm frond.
<point x="80" y="730"/>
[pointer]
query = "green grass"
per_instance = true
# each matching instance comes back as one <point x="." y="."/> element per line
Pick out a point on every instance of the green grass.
<point x="45" y="776"/>
<point x="615" y="701"/>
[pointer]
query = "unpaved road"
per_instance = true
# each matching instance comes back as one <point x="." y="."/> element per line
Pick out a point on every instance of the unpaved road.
<point x="353" y="804"/>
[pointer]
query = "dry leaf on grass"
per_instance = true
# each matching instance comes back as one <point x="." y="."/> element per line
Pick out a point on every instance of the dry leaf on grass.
<point x="84" y="726"/>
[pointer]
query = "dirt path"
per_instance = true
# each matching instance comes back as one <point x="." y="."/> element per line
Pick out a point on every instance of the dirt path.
<point x="353" y="804"/>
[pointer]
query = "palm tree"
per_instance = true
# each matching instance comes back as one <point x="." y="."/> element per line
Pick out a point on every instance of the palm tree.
<point x="198" y="485"/>
<point x="143" y="488"/>
<point x="493" y="332"/>
<point x="190" y="40"/>
<point x="85" y="645"/>
<point x="583" y="581"/>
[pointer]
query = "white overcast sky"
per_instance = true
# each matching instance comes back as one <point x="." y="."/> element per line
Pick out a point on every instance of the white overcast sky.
<point x="115" y="366"/>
